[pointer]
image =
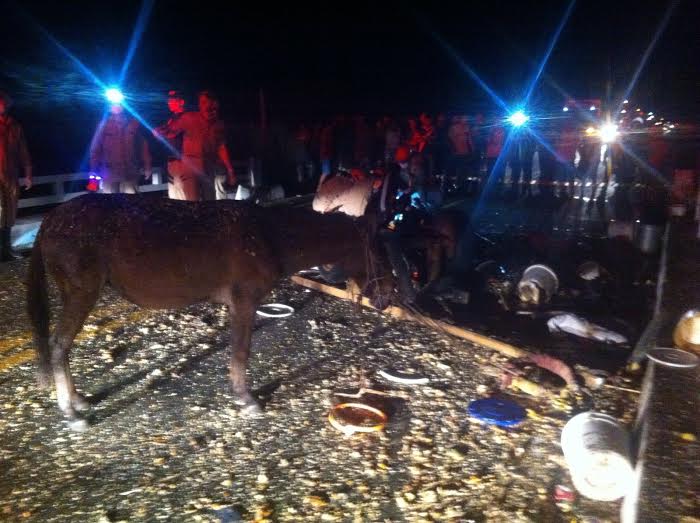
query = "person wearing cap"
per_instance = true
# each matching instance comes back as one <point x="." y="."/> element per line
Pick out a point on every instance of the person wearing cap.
<point x="176" y="189"/>
<point x="118" y="150"/>
<point x="14" y="157"/>
<point x="205" y="155"/>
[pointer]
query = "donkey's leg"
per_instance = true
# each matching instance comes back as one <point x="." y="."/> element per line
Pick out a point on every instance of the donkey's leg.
<point x="77" y="304"/>
<point x="242" y="319"/>
<point x="43" y="375"/>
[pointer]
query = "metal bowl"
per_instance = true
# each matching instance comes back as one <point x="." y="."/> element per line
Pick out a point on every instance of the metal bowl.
<point x="686" y="336"/>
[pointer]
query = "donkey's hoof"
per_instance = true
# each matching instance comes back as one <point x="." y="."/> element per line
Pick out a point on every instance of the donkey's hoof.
<point x="80" y="404"/>
<point x="78" y="424"/>
<point x="251" y="410"/>
<point x="249" y="407"/>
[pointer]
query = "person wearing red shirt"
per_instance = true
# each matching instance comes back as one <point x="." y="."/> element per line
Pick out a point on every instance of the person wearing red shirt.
<point x="204" y="151"/>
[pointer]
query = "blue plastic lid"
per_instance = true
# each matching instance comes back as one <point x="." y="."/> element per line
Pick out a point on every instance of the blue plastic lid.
<point x="494" y="411"/>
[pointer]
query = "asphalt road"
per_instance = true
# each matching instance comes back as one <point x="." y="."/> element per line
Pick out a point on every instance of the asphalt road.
<point x="167" y="443"/>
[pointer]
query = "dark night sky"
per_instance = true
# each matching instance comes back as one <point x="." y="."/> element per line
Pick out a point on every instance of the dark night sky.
<point x="312" y="59"/>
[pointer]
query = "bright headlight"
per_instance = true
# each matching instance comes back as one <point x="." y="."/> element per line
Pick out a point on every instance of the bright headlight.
<point x="608" y="132"/>
<point x="518" y="118"/>
<point x="114" y="95"/>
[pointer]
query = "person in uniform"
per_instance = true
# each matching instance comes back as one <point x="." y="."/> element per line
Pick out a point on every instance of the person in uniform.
<point x="205" y="155"/>
<point x="119" y="148"/>
<point x="176" y="106"/>
<point x="14" y="157"/>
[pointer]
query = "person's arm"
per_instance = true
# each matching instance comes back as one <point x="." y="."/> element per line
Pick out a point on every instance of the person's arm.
<point x="172" y="128"/>
<point x="25" y="160"/>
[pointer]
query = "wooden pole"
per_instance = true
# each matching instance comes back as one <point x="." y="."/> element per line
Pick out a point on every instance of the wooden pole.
<point x="402" y="314"/>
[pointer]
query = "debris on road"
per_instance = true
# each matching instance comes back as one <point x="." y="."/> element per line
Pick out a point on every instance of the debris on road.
<point x="598" y="453"/>
<point x="403" y="378"/>
<point x="275" y="310"/>
<point x="496" y="411"/>
<point x="589" y="271"/>
<point x="178" y="445"/>
<point x="573" y="324"/>
<point x="564" y="494"/>
<point x="594" y="378"/>
<point x="350" y="418"/>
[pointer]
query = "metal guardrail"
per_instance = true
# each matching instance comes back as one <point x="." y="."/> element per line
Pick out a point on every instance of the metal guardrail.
<point x="59" y="194"/>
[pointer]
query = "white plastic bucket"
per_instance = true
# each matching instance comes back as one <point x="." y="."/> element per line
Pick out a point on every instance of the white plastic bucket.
<point x="597" y="451"/>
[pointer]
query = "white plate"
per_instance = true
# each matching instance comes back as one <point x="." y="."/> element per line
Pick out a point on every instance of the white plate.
<point x="401" y="377"/>
<point x="673" y="358"/>
<point x="275" y="310"/>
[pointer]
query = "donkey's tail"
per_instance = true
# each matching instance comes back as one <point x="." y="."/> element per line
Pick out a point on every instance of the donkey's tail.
<point x="38" y="309"/>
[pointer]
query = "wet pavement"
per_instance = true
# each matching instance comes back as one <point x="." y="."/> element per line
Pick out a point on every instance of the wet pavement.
<point x="670" y="488"/>
<point x="167" y="442"/>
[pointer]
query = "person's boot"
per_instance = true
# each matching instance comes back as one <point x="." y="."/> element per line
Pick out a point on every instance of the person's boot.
<point x="6" y="245"/>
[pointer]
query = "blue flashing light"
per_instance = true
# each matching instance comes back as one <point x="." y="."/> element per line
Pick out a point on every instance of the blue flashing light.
<point x="114" y="95"/>
<point x="518" y="118"/>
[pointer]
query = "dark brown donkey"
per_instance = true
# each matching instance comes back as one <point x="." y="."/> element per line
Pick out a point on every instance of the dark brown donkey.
<point x="169" y="254"/>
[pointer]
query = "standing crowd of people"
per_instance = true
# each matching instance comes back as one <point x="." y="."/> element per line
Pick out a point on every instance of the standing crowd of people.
<point x="462" y="152"/>
<point x="433" y="154"/>
<point x="199" y="164"/>
<point x="447" y="150"/>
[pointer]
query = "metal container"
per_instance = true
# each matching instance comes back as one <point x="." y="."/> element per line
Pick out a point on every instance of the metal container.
<point x="649" y="238"/>
<point x="686" y="335"/>
<point x="538" y="284"/>
<point x="597" y="451"/>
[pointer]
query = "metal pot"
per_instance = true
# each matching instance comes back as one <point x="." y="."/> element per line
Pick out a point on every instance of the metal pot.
<point x="538" y="284"/>
<point x="686" y="335"/>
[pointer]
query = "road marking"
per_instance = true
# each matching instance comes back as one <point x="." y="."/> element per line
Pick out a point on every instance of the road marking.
<point x="15" y="342"/>
<point x="111" y="326"/>
<point x="16" y="359"/>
